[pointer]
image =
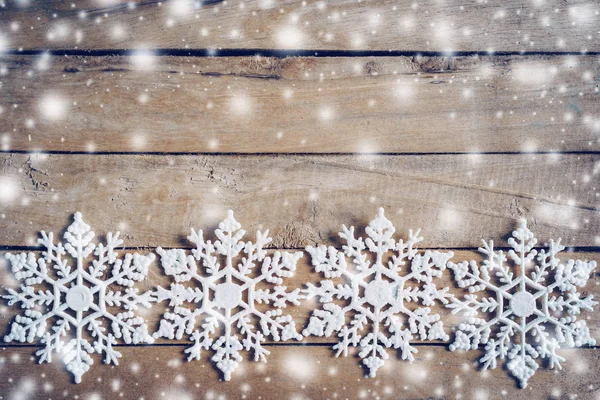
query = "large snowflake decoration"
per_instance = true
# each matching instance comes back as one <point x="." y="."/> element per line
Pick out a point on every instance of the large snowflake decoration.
<point x="386" y="308"/>
<point x="227" y="295"/>
<point x="530" y="321"/>
<point x="77" y="298"/>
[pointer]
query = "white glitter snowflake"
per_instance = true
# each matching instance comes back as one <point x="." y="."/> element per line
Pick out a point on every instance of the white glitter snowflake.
<point x="386" y="308"/>
<point x="227" y="295"/>
<point x="522" y="304"/>
<point x="77" y="297"/>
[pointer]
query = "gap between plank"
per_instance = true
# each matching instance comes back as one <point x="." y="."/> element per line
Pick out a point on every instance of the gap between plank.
<point x="291" y="344"/>
<point x="281" y="53"/>
<point x="569" y="249"/>
<point x="307" y="154"/>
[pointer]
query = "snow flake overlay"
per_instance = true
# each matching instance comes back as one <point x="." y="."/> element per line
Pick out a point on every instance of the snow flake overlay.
<point x="78" y="298"/>
<point x="375" y="293"/>
<point x="227" y="295"/>
<point x="522" y="304"/>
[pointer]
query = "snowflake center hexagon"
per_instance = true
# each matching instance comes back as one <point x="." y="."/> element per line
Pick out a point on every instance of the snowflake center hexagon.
<point x="228" y="295"/>
<point x="79" y="298"/>
<point x="522" y="304"/>
<point x="379" y="293"/>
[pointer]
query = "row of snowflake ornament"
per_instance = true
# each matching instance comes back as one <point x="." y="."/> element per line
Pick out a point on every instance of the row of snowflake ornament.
<point x="384" y="287"/>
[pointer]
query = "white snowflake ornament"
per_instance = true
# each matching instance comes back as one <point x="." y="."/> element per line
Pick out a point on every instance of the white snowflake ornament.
<point x="531" y="308"/>
<point x="386" y="296"/>
<point x="79" y="298"/>
<point x="223" y="291"/>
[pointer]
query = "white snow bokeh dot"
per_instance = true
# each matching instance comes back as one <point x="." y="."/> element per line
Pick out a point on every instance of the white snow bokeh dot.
<point x="326" y="113"/>
<point x="289" y="37"/>
<point x="143" y="60"/>
<point x="449" y="219"/>
<point x="43" y="61"/>
<point x="9" y="190"/>
<point x="181" y="8"/>
<point x="299" y="366"/>
<point x="534" y="74"/>
<point x="241" y="104"/>
<point x="138" y="140"/>
<point x="118" y="32"/>
<point x="404" y="92"/>
<point x="4" y="43"/>
<point x="135" y="367"/>
<point x="143" y="98"/>
<point x="54" y="106"/>
<point x="583" y="14"/>
<point x="25" y="389"/>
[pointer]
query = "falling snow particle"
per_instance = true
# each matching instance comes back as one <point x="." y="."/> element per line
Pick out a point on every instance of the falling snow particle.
<point x="53" y="107"/>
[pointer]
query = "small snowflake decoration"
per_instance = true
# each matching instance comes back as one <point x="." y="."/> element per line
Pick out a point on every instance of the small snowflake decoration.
<point x="227" y="296"/>
<point x="523" y="304"/>
<point x="78" y="298"/>
<point x="376" y="294"/>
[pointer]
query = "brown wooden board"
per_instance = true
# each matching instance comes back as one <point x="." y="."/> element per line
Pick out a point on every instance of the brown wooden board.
<point x="155" y="200"/>
<point x="300" y="105"/>
<point x="463" y="145"/>
<point x="293" y="372"/>
<point x="455" y="25"/>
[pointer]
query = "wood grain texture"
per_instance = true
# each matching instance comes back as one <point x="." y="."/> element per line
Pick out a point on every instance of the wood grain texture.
<point x="296" y="373"/>
<point x="301" y="105"/>
<point x="154" y="200"/>
<point x="430" y="25"/>
<point x="422" y="112"/>
<point x="301" y="313"/>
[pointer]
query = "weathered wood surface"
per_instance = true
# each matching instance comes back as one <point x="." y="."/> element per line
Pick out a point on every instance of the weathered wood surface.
<point x="154" y="200"/>
<point x="295" y="373"/>
<point x="430" y="25"/>
<point x="300" y="105"/>
<point x="183" y="103"/>
<point x="301" y="313"/>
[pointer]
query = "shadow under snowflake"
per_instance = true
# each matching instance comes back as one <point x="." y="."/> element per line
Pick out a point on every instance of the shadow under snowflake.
<point x="78" y="298"/>
<point x="522" y="306"/>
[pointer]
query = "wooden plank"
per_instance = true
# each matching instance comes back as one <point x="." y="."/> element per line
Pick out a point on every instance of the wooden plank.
<point x="305" y="274"/>
<point x="300" y="105"/>
<point x="154" y="200"/>
<point x="295" y="373"/>
<point x="430" y="25"/>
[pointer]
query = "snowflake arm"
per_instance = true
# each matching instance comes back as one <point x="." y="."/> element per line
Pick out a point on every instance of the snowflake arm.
<point x="326" y="321"/>
<point x="177" y="323"/>
<point x="253" y="340"/>
<point x="328" y="260"/>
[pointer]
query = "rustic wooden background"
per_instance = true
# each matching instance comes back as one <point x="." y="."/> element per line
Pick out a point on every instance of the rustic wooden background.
<point x="459" y="117"/>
